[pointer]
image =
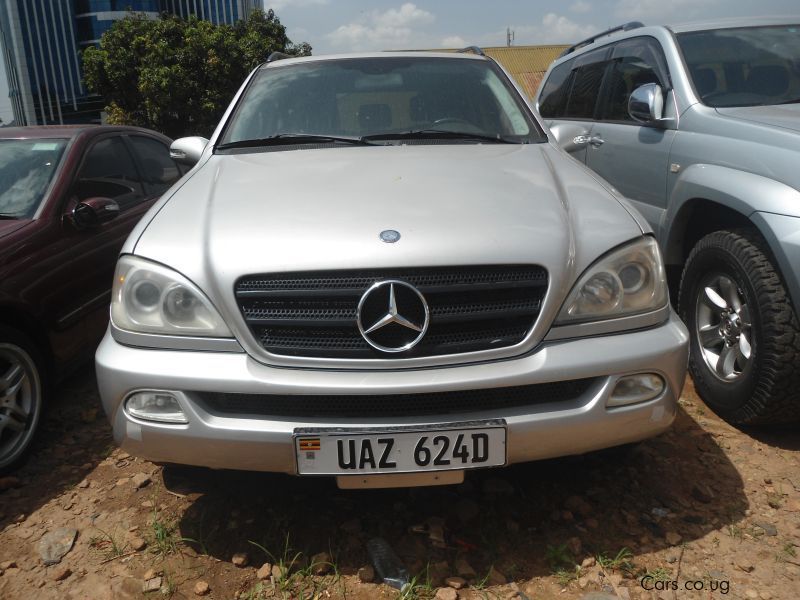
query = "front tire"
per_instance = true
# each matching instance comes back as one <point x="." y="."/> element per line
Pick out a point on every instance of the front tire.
<point x="745" y="339"/>
<point x="21" y="396"/>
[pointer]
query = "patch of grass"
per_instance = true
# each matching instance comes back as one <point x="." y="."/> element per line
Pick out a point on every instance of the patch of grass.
<point x="566" y="576"/>
<point x="786" y="553"/>
<point x="164" y="536"/>
<point x="558" y="557"/>
<point x="108" y="545"/>
<point x="659" y="574"/>
<point x="621" y="560"/>
<point x="775" y="499"/>
<point x="736" y="531"/>
<point x="420" y="587"/>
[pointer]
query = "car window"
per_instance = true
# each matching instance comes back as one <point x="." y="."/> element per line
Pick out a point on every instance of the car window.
<point x="746" y="66"/>
<point x="634" y="63"/>
<point x="556" y="91"/>
<point x="108" y="171"/>
<point x="158" y="169"/>
<point x="26" y="169"/>
<point x="373" y="96"/>
<point x="585" y="91"/>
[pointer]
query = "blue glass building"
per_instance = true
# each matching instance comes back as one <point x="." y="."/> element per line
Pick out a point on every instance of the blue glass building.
<point x="41" y="40"/>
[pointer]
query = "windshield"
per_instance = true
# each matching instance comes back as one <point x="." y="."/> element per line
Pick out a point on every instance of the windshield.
<point x="748" y="66"/>
<point x="359" y="97"/>
<point x="26" y="168"/>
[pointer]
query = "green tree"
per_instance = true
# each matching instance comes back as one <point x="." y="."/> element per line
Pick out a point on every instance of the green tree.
<point x="175" y="75"/>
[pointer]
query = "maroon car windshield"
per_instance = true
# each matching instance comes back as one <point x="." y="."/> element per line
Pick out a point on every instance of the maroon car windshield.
<point x="26" y="169"/>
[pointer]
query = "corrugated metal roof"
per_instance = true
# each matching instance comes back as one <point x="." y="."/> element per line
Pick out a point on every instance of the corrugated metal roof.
<point x="527" y="64"/>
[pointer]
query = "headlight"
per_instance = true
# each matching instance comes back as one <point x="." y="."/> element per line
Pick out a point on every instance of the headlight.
<point x="627" y="281"/>
<point x="150" y="298"/>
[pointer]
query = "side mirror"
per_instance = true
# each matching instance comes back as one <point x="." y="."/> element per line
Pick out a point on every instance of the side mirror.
<point x="188" y="150"/>
<point x="93" y="212"/>
<point x="646" y="104"/>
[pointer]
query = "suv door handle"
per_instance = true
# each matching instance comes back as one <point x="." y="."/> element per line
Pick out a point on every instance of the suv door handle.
<point x="582" y="140"/>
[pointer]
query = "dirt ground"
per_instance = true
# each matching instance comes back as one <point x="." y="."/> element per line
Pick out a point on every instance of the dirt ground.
<point x="705" y="511"/>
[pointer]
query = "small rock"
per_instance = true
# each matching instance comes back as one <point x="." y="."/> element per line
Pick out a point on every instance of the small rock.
<point x="702" y="493"/>
<point x="147" y="504"/>
<point x="464" y="569"/>
<point x="8" y="564"/>
<point x="495" y="577"/>
<point x="122" y="481"/>
<point x="201" y="588"/>
<point x="673" y="538"/>
<point x="240" y="559"/>
<point x="54" y="545"/>
<point x="138" y="544"/>
<point x="495" y="485"/>
<point x="279" y="572"/>
<point x="456" y="582"/>
<point x="366" y="574"/>
<point x="140" y="480"/>
<point x="61" y="573"/>
<point x="744" y="565"/>
<point x="83" y="484"/>
<point x="264" y="571"/>
<point x="321" y="563"/>
<point x="151" y="574"/>
<point x="446" y="593"/>
<point x="6" y="483"/>
<point x="151" y="585"/>
<point x="575" y="546"/>
<point x="583" y="582"/>
<point x="588" y="562"/>
<point x="578" y="505"/>
<point x="768" y="528"/>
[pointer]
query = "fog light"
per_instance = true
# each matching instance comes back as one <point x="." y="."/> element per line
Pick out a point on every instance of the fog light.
<point x="633" y="389"/>
<point x="155" y="406"/>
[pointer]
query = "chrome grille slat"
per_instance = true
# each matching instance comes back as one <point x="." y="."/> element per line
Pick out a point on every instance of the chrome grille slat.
<point x="314" y="314"/>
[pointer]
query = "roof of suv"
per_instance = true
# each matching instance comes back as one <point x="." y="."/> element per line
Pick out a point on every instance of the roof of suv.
<point x="388" y="54"/>
<point x="635" y="29"/>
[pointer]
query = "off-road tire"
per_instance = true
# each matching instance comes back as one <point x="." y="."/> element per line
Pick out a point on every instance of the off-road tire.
<point x="768" y="389"/>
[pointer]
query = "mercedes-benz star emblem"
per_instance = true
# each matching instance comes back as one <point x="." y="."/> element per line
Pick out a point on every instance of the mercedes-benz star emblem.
<point x="392" y="316"/>
<point x="390" y="236"/>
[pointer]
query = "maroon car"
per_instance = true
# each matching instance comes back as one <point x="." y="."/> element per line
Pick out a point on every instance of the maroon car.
<point x="69" y="196"/>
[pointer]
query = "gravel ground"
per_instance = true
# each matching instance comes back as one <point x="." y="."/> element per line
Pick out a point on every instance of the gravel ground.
<point x="704" y="511"/>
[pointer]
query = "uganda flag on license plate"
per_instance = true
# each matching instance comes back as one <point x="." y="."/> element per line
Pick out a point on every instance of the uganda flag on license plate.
<point x="309" y="444"/>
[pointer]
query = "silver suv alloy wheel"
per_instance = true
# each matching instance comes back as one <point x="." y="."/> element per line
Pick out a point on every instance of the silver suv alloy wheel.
<point x="723" y="327"/>
<point x="20" y="402"/>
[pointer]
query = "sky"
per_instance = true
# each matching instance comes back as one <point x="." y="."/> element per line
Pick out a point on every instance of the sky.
<point x="355" y="25"/>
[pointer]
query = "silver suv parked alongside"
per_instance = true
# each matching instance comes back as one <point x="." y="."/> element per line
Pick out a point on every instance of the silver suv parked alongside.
<point x="383" y="269"/>
<point x="699" y="126"/>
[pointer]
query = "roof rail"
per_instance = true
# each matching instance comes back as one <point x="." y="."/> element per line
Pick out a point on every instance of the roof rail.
<point x="624" y="27"/>
<point x="277" y="56"/>
<point x="473" y="50"/>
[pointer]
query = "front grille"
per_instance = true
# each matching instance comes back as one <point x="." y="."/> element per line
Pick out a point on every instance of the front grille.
<point x="395" y="405"/>
<point x="314" y="313"/>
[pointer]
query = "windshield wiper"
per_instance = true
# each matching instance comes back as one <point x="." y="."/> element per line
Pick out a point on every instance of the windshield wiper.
<point x="430" y="134"/>
<point x="287" y="139"/>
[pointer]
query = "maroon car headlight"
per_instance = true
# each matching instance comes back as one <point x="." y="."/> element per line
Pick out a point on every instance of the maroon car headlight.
<point x="150" y="298"/>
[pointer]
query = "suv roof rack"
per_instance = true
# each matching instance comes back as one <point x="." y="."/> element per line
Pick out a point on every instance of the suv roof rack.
<point x="624" y="27"/>
<point x="473" y="50"/>
<point x="277" y="56"/>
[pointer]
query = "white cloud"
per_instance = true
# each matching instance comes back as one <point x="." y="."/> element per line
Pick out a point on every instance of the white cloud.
<point x="453" y="41"/>
<point x="277" y="5"/>
<point x="581" y="7"/>
<point x="655" y="12"/>
<point x="390" y="29"/>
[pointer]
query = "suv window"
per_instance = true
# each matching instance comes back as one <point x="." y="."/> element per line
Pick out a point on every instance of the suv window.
<point x="634" y="63"/>
<point x="158" y="169"/>
<point x="747" y="66"/>
<point x="556" y="91"/>
<point x="573" y="87"/>
<point x="108" y="171"/>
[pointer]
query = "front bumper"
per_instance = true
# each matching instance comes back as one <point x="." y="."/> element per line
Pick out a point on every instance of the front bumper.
<point x="266" y="443"/>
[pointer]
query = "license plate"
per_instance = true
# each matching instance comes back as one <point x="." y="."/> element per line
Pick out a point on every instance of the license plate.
<point x="471" y="445"/>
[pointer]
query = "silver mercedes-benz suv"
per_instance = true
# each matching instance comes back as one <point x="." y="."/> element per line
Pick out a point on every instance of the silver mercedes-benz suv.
<point x="383" y="268"/>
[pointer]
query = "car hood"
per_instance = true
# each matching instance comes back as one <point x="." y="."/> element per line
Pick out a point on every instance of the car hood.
<point x="785" y="116"/>
<point x="9" y="226"/>
<point x="311" y="210"/>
